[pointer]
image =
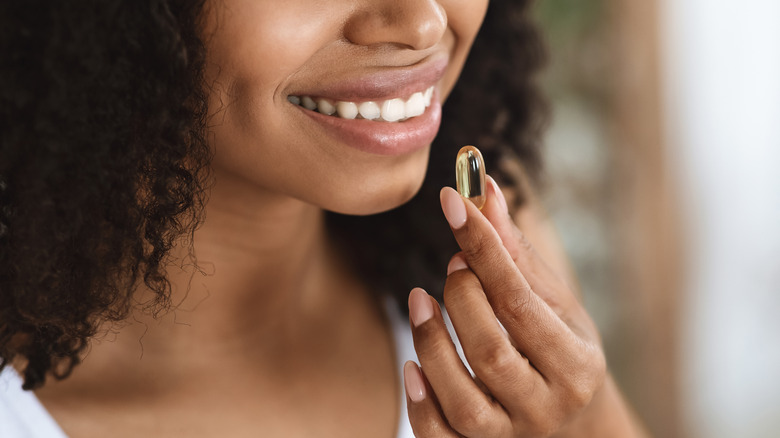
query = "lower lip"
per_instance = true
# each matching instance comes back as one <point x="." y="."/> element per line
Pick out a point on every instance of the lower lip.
<point x="383" y="138"/>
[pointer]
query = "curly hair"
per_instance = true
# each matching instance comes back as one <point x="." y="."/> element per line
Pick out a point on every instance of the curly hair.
<point x="104" y="164"/>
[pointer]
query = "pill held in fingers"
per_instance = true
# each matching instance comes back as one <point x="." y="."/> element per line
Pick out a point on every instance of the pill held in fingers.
<point x="470" y="175"/>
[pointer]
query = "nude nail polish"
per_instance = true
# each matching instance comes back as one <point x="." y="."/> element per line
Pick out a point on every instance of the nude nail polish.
<point x="413" y="382"/>
<point x="453" y="207"/>
<point x="456" y="264"/>
<point x="420" y="306"/>
<point x="499" y="194"/>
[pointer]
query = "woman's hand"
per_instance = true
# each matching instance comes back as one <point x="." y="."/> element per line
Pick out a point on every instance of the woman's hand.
<point x="535" y="375"/>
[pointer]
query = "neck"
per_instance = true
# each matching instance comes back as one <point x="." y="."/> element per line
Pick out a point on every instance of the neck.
<point x="274" y="313"/>
<point x="266" y="270"/>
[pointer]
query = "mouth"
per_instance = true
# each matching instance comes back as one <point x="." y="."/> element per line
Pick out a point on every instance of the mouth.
<point x="390" y="110"/>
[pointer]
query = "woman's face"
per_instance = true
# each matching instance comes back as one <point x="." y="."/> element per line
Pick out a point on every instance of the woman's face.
<point x="271" y="61"/>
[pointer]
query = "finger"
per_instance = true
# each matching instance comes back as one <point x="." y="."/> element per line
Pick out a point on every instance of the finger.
<point x="497" y="212"/>
<point x="466" y="408"/>
<point x="543" y="281"/>
<point x="507" y="375"/>
<point x="425" y="415"/>
<point x="540" y="335"/>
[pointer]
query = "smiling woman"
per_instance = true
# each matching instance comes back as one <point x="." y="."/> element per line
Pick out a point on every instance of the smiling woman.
<point x="203" y="206"/>
<point x="351" y="56"/>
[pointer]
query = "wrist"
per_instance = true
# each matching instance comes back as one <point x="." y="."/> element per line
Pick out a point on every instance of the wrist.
<point x="607" y="415"/>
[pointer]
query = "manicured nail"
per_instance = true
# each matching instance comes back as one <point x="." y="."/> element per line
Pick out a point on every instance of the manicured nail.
<point x="413" y="382"/>
<point x="499" y="194"/>
<point x="453" y="207"/>
<point x="456" y="264"/>
<point x="420" y="306"/>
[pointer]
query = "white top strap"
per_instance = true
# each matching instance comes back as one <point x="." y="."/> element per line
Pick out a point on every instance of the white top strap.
<point x="21" y="414"/>
<point x="404" y="350"/>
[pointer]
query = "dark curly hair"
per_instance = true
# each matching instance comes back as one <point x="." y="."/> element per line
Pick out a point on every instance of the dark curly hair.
<point x="104" y="164"/>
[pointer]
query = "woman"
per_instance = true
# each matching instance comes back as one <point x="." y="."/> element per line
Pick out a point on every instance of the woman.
<point x="166" y="255"/>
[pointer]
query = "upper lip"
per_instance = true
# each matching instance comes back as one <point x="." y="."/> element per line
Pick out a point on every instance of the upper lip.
<point x="382" y="84"/>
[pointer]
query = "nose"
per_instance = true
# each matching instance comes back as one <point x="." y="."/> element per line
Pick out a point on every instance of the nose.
<point x="412" y="24"/>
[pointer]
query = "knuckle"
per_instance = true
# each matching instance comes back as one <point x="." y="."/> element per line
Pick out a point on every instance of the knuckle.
<point x="578" y="393"/>
<point x="586" y="381"/>
<point x="517" y="301"/>
<point x="526" y="245"/>
<point x="481" y="248"/>
<point x="471" y="418"/>
<point x="526" y="250"/>
<point x="497" y="360"/>
<point x="460" y="283"/>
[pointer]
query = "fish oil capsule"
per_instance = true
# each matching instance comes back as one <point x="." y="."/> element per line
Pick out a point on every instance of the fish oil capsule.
<point x="470" y="175"/>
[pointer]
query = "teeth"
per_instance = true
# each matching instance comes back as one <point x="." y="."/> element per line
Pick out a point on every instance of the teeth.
<point x="308" y="103"/>
<point x="369" y="110"/>
<point x="415" y="106"/>
<point x="428" y="95"/>
<point x="347" y="110"/>
<point x="325" y="107"/>
<point x="392" y="110"/>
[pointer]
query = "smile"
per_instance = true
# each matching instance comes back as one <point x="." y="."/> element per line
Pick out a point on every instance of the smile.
<point x="391" y="110"/>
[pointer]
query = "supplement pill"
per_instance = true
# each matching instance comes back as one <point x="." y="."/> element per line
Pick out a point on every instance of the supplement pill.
<point x="470" y="175"/>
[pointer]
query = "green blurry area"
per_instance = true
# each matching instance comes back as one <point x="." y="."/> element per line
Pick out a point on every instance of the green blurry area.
<point x="575" y="32"/>
<point x="577" y="154"/>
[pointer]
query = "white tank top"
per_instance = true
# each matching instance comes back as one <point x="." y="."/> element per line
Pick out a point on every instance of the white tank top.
<point x="23" y="416"/>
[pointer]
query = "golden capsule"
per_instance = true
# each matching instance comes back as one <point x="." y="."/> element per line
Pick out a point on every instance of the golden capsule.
<point x="470" y="175"/>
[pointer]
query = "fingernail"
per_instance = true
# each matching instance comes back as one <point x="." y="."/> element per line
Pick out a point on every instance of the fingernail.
<point x="499" y="194"/>
<point x="420" y="306"/>
<point x="456" y="264"/>
<point x="413" y="382"/>
<point x="453" y="207"/>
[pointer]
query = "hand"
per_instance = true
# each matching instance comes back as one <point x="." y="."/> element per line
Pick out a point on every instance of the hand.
<point x="534" y="375"/>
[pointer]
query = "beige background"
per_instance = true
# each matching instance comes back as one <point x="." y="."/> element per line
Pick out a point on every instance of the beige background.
<point x="665" y="140"/>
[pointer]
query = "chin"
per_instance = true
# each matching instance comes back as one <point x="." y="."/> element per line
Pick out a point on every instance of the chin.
<point x="373" y="197"/>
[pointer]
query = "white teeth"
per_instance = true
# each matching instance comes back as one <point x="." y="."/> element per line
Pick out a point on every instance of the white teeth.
<point x="369" y="110"/>
<point x="415" y="106"/>
<point x="308" y="103"/>
<point x="391" y="110"/>
<point x="325" y="107"/>
<point x="347" y="110"/>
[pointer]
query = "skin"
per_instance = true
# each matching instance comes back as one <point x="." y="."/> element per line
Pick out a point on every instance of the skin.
<point x="276" y="337"/>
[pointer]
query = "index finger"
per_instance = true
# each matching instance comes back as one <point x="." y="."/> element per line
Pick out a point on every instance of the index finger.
<point x="538" y="332"/>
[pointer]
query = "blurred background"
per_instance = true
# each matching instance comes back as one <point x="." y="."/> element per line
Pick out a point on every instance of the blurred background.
<point x="663" y="166"/>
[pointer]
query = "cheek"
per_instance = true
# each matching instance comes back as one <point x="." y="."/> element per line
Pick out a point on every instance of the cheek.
<point x="465" y="17"/>
<point x="253" y="47"/>
<point x="263" y="38"/>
